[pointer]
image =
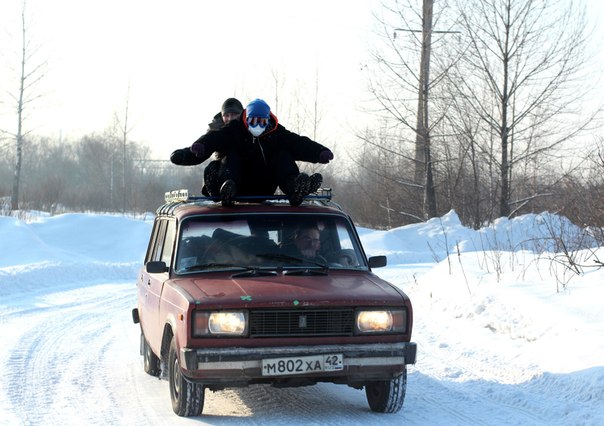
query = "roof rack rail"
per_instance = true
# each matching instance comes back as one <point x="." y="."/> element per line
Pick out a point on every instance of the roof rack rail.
<point x="182" y="195"/>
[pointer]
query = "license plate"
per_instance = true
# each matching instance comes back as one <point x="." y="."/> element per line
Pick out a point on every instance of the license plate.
<point x="302" y="364"/>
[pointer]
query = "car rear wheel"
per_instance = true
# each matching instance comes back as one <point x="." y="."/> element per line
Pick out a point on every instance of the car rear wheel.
<point x="387" y="396"/>
<point x="187" y="397"/>
<point x="150" y="360"/>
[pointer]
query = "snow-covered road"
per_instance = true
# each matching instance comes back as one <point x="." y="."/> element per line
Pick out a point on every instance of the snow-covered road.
<point x="71" y="357"/>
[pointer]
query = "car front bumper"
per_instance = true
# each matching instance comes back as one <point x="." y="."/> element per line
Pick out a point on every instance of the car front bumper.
<point x="361" y="362"/>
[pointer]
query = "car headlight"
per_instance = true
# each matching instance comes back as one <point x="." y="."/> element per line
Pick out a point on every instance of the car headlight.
<point x="381" y="321"/>
<point x="223" y="323"/>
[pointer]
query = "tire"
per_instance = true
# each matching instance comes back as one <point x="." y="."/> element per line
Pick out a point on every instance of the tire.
<point x="387" y="396"/>
<point x="187" y="397"/>
<point x="151" y="363"/>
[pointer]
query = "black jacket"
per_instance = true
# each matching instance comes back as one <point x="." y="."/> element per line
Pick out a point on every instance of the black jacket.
<point x="184" y="156"/>
<point x="235" y="137"/>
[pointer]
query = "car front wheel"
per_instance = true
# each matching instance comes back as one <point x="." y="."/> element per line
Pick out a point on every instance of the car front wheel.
<point x="387" y="396"/>
<point x="187" y="397"/>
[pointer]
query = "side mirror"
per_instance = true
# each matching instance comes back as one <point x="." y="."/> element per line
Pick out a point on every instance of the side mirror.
<point x="156" y="267"/>
<point x="377" y="261"/>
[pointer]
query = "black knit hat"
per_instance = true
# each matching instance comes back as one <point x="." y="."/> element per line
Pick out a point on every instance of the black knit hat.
<point x="232" y="105"/>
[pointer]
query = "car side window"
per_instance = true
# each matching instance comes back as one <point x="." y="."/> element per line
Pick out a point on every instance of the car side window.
<point x="344" y="237"/>
<point x="168" y="245"/>
<point x="159" y="240"/>
<point x="152" y="239"/>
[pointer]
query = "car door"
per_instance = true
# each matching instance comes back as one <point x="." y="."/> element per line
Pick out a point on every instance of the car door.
<point x="144" y="282"/>
<point x="161" y="250"/>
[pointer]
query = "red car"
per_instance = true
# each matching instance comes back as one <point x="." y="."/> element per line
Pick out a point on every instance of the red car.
<point x="268" y="293"/>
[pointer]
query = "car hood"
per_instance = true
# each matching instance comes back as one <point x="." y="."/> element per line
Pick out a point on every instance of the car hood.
<point x="337" y="288"/>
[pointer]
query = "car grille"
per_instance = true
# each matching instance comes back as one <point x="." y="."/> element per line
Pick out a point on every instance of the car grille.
<point x="286" y="323"/>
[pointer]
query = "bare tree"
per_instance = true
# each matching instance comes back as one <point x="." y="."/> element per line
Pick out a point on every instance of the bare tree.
<point x="30" y="73"/>
<point x="300" y="111"/>
<point x="316" y="114"/>
<point x="279" y="81"/>
<point x="519" y="80"/>
<point x="124" y="129"/>
<point x="401" y="84"/>
<point x="48" y="174"/>
<point x="383" y="176"/>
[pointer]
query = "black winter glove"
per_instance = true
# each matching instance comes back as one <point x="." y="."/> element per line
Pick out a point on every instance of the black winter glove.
<point x="198" y="149"/>
<point x="325" y="156"/>
<point x="177" y="157"/>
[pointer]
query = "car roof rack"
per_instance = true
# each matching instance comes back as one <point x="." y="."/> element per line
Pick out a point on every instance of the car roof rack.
<point x="181" y="196"/>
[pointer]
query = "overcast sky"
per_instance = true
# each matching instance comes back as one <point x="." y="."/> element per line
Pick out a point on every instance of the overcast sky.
<point x="182" y="58"/>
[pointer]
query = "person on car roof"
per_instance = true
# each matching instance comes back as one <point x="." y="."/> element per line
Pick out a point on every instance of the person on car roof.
<point x="231" y="110"/>
<point x="261" y="155"/>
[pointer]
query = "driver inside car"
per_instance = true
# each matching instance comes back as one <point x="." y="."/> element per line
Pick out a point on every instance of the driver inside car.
<point x="307" y="243"/>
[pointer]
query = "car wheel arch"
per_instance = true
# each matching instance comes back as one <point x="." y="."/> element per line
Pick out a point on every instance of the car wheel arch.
<point x="166" y="340"/>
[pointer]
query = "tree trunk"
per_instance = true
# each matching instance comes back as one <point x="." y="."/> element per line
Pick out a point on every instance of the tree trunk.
<point x="504" y="202"/>
<point x="423" y="163"/>
<point x="14" y="200"/>
<point x="19" y="136"/>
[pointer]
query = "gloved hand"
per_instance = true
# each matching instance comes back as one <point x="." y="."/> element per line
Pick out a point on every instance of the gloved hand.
<point x="325" y="156"/>
<point x="177" y="157"/>
<point x="198" y="149"/>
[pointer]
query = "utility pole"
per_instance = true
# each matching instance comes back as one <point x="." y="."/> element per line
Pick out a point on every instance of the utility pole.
<point x="422" y="141"/>
<point x="423" y="161"/>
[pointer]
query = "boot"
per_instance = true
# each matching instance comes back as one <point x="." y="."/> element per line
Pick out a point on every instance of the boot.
<point x="228" y="190"/>
<point x="298" y="189"/>
<point x="211" y="178"/>
<point x="314" y="182"/>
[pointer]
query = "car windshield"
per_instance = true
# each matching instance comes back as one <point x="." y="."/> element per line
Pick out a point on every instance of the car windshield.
<point x="267" y="241"/>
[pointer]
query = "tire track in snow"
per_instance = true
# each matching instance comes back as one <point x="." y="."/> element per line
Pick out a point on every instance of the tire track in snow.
<point x="56" y="368"/>
<point x="71" y="357"/>
<point x="303" y="405"/>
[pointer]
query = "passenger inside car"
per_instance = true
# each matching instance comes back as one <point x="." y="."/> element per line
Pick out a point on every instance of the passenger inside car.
<point x="191" y="251"/>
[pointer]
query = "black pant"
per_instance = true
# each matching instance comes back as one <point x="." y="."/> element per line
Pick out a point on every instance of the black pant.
<point x="253" y="176"/>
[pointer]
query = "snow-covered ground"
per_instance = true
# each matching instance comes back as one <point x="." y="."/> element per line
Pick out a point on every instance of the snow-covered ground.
<point x="505" y="336"/>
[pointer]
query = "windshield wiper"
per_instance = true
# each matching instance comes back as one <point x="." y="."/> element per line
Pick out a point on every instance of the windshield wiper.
<point x="249" y="271"/>
<point x="212" y="265"/>
<point x="306" y="271"/>
<point x="279" y="256"/>
<point x="254" y="272"/>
